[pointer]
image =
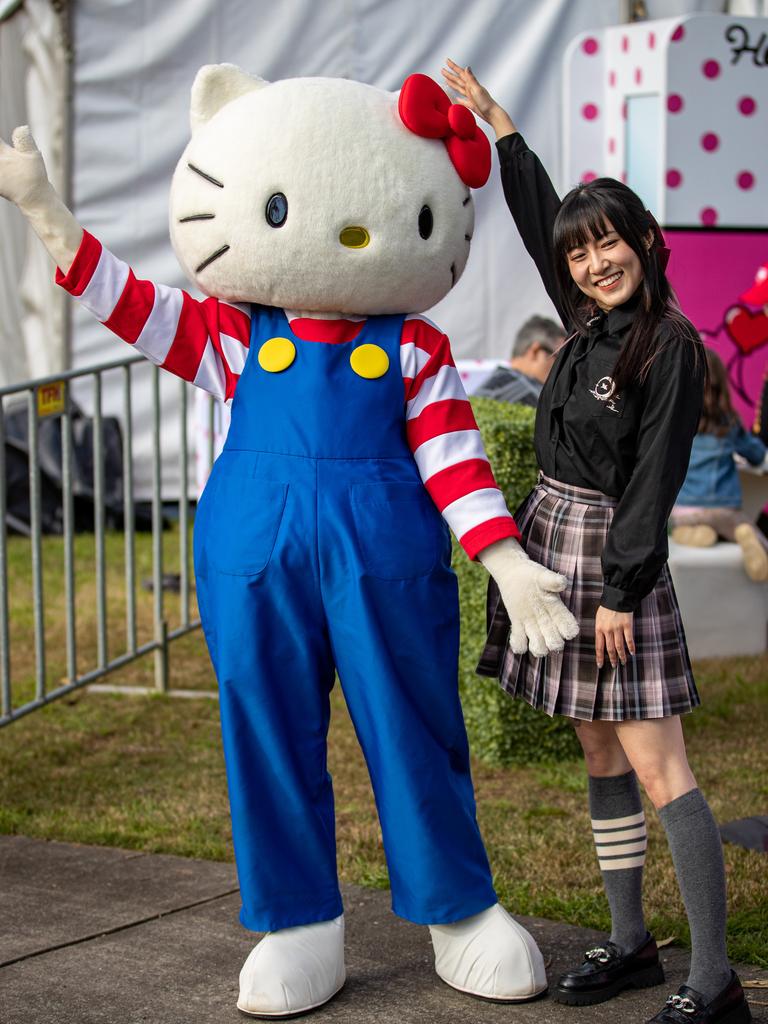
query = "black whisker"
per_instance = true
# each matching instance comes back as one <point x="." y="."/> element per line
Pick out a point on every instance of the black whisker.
<point x="208" y="177"/>
<point x="453" y="274"/>
<point x="197" y="216"/>
<point x="211" y="258"/>
<point x="464" y="203"/>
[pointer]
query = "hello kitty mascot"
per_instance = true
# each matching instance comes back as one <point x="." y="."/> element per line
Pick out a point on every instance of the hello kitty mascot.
<point x="320" y="216"/>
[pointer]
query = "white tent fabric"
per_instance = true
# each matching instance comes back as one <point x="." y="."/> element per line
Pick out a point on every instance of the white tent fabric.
<point x="134" y="65"/>
<point x="32" y="91"/>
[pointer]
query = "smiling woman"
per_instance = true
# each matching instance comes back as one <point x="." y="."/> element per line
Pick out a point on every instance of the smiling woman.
<point x="614" y="428"/>
<point x="607" y="249"/>
<point x="605" y="267"/>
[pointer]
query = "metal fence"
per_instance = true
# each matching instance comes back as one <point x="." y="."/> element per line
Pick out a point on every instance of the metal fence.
<point x="57" y="389"/>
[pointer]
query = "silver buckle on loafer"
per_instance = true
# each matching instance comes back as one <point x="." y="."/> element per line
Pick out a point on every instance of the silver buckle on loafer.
<point x="599" y="954"/>
<point x="682" y="1003"/>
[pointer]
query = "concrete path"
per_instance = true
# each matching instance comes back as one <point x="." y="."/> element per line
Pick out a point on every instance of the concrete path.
<point x="91" y="935"/>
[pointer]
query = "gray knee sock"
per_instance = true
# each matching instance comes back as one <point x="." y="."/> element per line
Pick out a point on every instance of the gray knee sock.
<point x="697" y="854"/>
<point x="618" y="825"/>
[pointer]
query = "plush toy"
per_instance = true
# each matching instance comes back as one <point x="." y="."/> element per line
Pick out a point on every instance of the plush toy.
<point x="320" y="216"/>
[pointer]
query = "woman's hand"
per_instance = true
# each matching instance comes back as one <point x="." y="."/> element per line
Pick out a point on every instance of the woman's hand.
<point x="613" y="633"/>
<point x="475" y="96"/>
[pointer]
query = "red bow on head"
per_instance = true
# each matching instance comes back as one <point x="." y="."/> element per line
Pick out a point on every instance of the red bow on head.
<point x="426" y="110"/>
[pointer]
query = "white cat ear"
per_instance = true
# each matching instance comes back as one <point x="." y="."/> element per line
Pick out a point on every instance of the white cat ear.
<point x="215" y="86"/>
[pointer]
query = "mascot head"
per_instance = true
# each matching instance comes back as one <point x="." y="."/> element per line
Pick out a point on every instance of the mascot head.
<point x="325" y="195"/>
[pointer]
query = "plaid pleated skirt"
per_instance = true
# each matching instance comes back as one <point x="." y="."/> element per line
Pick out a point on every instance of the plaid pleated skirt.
<point x="564" y="528"/>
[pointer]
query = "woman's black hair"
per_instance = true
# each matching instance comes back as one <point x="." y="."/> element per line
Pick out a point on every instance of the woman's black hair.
<point x="584" y="214"/>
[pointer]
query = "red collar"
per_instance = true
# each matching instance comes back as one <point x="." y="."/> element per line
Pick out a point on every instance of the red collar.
<point x="332" y="332"/>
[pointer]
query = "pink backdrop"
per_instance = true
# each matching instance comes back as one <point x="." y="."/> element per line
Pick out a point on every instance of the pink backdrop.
<point x="709" y="270"/>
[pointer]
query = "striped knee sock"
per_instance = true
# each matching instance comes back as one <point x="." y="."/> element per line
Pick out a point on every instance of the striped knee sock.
<point x="618" y="826"/>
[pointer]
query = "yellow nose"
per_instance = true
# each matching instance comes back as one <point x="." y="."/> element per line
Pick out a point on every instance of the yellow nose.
<point x="354" y="237"/>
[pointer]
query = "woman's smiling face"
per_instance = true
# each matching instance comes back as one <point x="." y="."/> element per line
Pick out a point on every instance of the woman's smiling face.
<point x="606" y="269"/>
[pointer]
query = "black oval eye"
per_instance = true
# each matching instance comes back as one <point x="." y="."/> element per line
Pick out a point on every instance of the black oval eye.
<point x="425" y="222"/>
<point x="277" y="210"/>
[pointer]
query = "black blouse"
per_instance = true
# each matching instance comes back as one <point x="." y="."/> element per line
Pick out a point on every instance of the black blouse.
<point x="633" y="446"/>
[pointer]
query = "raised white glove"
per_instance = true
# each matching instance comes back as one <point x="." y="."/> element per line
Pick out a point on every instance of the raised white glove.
<point x="540" y="621"/>
<point x="24" y="181"/>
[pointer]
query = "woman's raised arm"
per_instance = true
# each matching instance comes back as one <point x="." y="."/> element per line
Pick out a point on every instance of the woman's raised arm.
<point x="530" y="195"/>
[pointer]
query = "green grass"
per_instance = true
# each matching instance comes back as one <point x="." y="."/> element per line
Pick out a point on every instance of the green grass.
<point x="147" y="773"/>
<point x="185" y="672"/>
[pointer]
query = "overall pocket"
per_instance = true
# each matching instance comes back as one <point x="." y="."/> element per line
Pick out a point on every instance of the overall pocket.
<point x="399" y="530"/>
<point x="242" y="520"/>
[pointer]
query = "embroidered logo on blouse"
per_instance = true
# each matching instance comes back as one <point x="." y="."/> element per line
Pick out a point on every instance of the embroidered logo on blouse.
<point x="605" y="391"/>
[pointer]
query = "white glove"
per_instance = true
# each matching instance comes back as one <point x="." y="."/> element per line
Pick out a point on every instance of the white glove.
<point x="540" y="621"/>
<point x="24" y="181"/>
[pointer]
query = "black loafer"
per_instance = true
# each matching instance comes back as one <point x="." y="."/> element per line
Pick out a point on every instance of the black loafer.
<point x="606" y="971"/>
<point x="689" y="1007"/>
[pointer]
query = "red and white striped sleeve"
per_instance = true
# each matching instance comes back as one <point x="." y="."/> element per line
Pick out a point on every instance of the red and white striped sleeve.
<point x="204" y="342"/>
<point x="445" y="441"/>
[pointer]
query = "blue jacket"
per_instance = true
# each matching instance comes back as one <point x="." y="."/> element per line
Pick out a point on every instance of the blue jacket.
<point x="712" y="480"/>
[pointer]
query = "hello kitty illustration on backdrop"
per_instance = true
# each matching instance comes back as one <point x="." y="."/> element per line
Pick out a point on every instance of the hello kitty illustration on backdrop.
<point x="321" y="216"/>
<point x="746" y="326"/>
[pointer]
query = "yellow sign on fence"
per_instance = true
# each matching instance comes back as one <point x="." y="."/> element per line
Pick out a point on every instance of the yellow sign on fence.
<point x="52" y="398"/>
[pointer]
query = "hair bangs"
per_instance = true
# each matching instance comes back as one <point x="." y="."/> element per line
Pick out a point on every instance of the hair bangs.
<point x="578" y="221"/>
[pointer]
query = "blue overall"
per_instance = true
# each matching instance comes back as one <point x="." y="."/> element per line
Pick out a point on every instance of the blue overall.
<point x="318" y="551"/>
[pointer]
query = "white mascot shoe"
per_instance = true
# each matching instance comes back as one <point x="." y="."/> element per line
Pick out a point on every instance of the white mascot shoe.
<point x="489" y="955"/>
<point x="293" y="970"/>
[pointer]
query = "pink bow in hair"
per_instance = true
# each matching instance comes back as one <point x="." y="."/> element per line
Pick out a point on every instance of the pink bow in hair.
<point x="426" y="110"/>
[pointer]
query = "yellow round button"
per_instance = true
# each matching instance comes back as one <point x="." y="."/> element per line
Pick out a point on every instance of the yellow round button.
<point x="276" y="354"/>
<point x="369" y="361"/>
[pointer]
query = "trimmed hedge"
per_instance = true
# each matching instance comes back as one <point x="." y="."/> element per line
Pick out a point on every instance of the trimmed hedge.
<point x="502" y="730"/>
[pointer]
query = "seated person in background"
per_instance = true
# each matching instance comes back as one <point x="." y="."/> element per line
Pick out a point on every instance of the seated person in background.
<point x="533" y="353"/>
<point x="709" y="503"/>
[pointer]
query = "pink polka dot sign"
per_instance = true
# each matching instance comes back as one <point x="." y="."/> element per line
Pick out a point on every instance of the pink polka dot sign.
<point x="586" y="63"/>
<point x="683" y="118"/>
<point x="680" y="106"/>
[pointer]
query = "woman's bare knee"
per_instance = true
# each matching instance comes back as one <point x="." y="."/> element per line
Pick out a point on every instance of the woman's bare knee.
<point x="656" y="750"/>
<point x="603" y="753"/>
<point x="665" y="782"/>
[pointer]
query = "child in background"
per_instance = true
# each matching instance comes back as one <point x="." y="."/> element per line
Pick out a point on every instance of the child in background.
<point x="708" y="506"/>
